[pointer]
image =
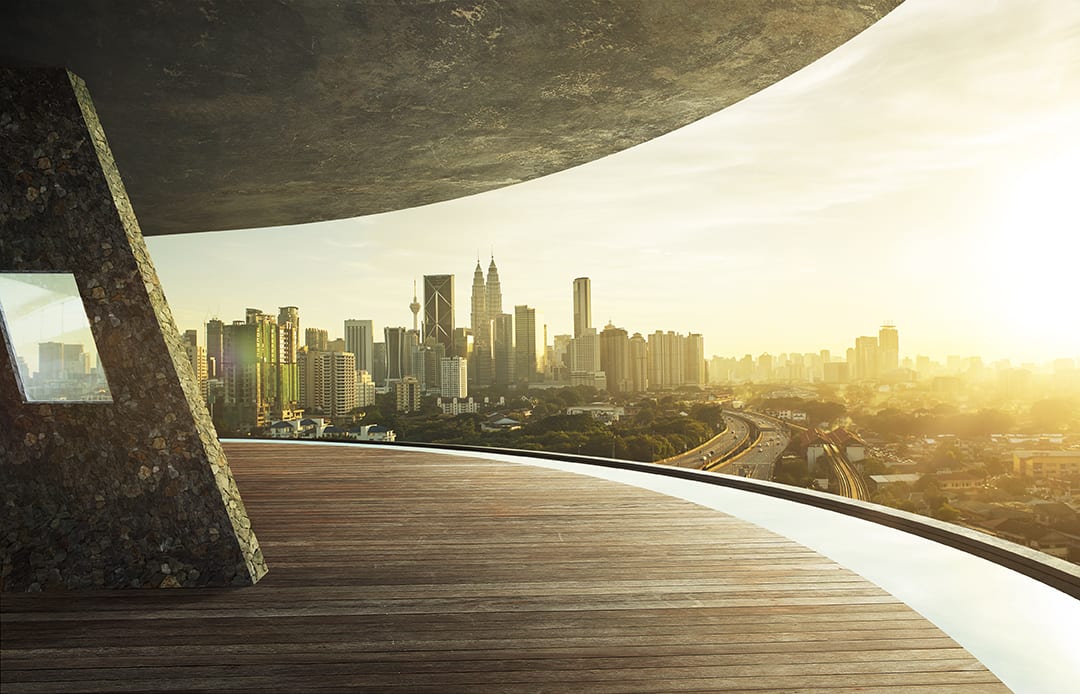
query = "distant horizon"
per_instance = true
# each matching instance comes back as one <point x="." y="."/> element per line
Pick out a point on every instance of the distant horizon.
<point x="921" y="173"/>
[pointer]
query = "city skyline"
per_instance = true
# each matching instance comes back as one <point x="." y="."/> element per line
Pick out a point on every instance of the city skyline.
<point x="884" y="336"/>
<point x="920" y="173"/>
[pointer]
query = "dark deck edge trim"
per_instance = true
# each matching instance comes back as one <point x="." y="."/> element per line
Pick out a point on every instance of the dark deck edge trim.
<point x="1051" y="571"/>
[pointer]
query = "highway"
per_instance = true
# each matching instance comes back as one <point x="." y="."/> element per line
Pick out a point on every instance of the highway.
<point x="765" y="443"/>
<point x="717" y="448"/>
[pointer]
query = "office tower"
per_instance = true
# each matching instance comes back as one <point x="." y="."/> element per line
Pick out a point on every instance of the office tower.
<point x="412" y="344"/>
<point x="365" y="389"/>
<point x="888" y="348"/>
<point x="494" y="291"/>
<point x="694" y="363"/>
<point x="454" y="375"/>
<point x="478" y="316"/>
<point x="196" y="355"/>
<point x="396" y="354"/>
<point x="415" y="308"/>
<point x="639" y="364"/>
<point x="336" y="345"/>
<point x="615" y="359"/>
<point x="502" y="342"/>
<point x="529" y="344"/>
<point x="379" y="375"/>
<point x="407" y="394"/>
<point x="866" y="358"/>
<point x="315" y="339"/>
<point x="480" y="352"/>
<point x="463" y="342"/>
<point x="582" y="305"/>
<point x="214" y="346"/>
<point x="360" y="340"/>
<point x="439" y="310"/>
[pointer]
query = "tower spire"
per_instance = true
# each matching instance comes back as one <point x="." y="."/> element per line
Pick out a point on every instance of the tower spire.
<point x="414" y="307"/>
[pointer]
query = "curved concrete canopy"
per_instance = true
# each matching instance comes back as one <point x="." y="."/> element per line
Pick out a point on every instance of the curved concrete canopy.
<point x="246" y="113"/>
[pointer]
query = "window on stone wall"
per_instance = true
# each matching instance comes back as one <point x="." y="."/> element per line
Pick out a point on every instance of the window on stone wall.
<point x="47" y="335"/>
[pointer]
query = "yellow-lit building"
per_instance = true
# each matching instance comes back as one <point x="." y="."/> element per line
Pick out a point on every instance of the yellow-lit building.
<point x="1046" y="463"/>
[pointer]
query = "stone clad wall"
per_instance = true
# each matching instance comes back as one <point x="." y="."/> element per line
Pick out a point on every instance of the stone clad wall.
<point x="133" y="493"/>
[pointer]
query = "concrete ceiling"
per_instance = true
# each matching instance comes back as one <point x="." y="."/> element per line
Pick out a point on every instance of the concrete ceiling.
<point x="226" y="114"/>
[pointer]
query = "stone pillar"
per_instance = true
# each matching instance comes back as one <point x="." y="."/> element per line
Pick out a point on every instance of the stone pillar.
<point x="132" y="493"/>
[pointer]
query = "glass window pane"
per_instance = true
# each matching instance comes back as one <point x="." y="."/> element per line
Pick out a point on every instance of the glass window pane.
<point x="48" y="336"/>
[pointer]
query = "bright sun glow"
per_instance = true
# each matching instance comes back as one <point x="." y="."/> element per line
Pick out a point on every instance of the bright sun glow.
<point x="1033" y="255"/>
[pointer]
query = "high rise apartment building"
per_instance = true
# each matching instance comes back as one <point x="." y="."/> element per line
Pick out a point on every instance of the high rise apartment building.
<point x="407" y="394"/>
<point x="582" y="306"/>
<point x="639" y="364"/>
<point x="454" y="375"/>
<point x="666" y="359"/>
<point x="615" y="359"/>
<point x="316" y="339"/>
<point x="694" y="361"/>
<point x="329" y="382"/>
<point x="866" y="358"/>
<point x="365" y="389"/>
<point x="439" y="310"/>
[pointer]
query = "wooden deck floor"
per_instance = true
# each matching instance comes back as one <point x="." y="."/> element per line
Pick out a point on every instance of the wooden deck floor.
<point x="405" y="570"/>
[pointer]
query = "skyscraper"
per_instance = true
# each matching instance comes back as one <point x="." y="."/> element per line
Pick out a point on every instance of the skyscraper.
<point x="316" y="339"/>
<point x="396" y="355"/>
<point x="454" y="377"/>
<point x="529" y="344"/>
<point x="360" y="340"/>
<point x="639" y="364"/>
<point x="615" y="359"/>
<point x="196" y="354"/>
<point x="667" y="359"/>
<point x="288" y="373"/>
<point x="502" y="342"/>
<point x="214" y="344"/>
<point x="866" y="358"/>
<point x="439" y="310"/>
<point x="329" y="382"/>
<point x="478" y="316"/>
<point x="582" y="305"/>
<point x="494" y="291"/>
<point x="888" y="348"/>
<point x="694" y="364"/>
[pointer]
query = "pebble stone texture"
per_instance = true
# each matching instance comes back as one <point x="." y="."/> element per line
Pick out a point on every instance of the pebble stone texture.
<point x="237" y="114"/>
<point x="134" y="493"/>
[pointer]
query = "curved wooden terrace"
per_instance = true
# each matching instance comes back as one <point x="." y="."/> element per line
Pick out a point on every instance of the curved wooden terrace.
<point x="400" y="569"/>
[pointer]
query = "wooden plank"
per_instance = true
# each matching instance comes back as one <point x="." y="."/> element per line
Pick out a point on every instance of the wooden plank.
<point x="402" y="569"/>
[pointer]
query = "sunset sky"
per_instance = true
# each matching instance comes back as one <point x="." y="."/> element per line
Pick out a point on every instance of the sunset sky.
<point x="927" y="172"/>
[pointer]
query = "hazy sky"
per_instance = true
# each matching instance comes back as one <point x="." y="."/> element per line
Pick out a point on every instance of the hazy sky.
<point x="927" y="172"/>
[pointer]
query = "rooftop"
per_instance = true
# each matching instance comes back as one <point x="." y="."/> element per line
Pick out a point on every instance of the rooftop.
<point x="434" y="570"/>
